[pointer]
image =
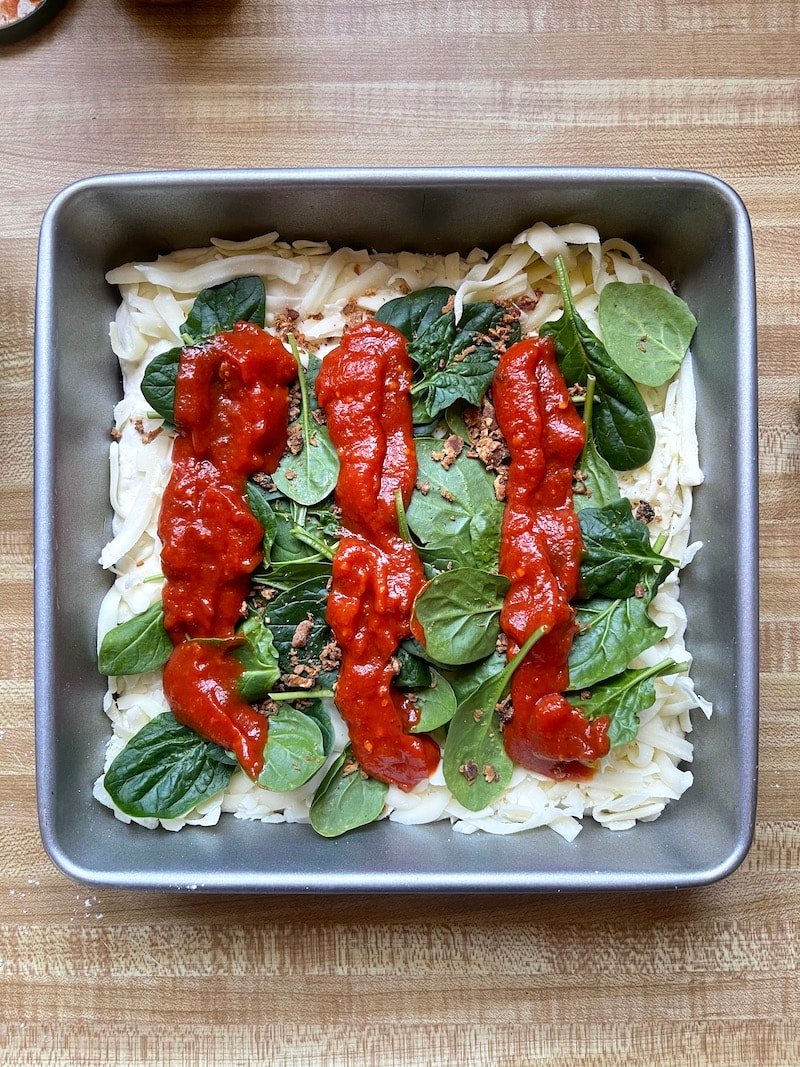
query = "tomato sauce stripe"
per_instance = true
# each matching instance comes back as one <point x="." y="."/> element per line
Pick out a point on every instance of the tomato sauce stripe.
<point x="364" y="388"/>
<point x="540" y="554"/>
<point x="231" y="412"/>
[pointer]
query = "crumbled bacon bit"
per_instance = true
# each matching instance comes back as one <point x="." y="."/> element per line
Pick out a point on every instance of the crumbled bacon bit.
<point x="116" y="434"/>
<point x="490" y="774"/>
<point x="424" y="487"/>
<point x="644" y="512"/>
<point x="330" y="657"/>
<point x="303" y="632"/>
<point x="290" y="476"/>
<point x="294" y="439"/>
<point x="350" y="766"/>
<point x="295" y="403"/>
<point x="469" y="770"/>
<point x="453" y="447"/>
<point x="577" y="390"/>
<point x="268" y="707"/>
<point x="402" y="287"/>
<point x="319" y="417"/>
<point x="263" y="481"/>
<point x="501" y="644"/>
<point x="449" y="306"/>
<point x="485" y="435"/>
<point x="285" y="321"/>
<point x="586" y="694"/>
<point x="505" y="711"/>
<point x="445" y="494"/>
<point x="146" y="435"/>
<point x="477" y="715"/>
<point x="500" y="485"/>
<point x="527" y="303"/>
<point x="640" y="591"/>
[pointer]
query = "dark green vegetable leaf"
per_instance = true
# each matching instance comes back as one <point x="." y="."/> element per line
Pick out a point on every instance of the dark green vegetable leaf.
<point x="285" y="613"/>
<point x="617" y="552"/>
<point x="316" y="710"/>
<point x="459" y="612"/>
<point x="311" y="475"/>
<point x="457" y="522"/>
<point x="346" y="798"/>
<point x="623" y="430"/>
<point x="285" y="576"/>
<point x="611" y="633"/>
<point x="158" y="383"/>
<point x="465" y="680"/>
<point x="475" y="763"/>
<point x="595" y="482"/>
<point x="646" y="330"/>
<point x="435" y="705"/>
<point x="457" y="362"/>
<point x="414" y="313"/>
<point x="258" y="657"/>
<point x="166" y="770"/>
<point x="294" y="752"/>
<point x="623" y="699"/>
<point x="219" y="309"/>
<point x="138" y="645"/>
<point x="262" y="509"/>
<point x="414" y="672"/>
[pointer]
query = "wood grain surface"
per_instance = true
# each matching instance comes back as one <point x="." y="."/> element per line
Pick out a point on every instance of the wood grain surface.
<point x="710" y="976"/>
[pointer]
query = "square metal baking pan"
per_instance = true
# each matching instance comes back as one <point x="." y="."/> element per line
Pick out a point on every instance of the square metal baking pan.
<point x="690" y="225"/>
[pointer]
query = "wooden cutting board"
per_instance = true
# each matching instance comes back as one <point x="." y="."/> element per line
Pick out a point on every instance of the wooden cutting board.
<point x="104" y="977"/>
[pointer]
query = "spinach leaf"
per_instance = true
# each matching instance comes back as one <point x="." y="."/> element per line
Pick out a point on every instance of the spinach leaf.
<point x="647" y="330"/>
<point x="219" y="309"/>
<point x="414" y="313"/>
<point x="618" y="555"/>
<point x="214" y="310"/>
<point x="316" y="710"/>
<point x="294" y="752"/>
<point x="310" y="476"/>
<point x="457" y="362"/>
<point x="262" y="509"/>
<point x="623" y="430"/>
<point x="285" y="613"/>
<point x="285" y="576"/>
<point x="138" y="645"/>
<point x="623" y="698"/>
<point x="435" y="705"/>
<point x="414" y="672"/>
<point x="457" y="521"/>
<point x="595" y="482"/>
<point x="475" y="763"/>
<point x="458" y="612"/>
<point x="346" y="798"/>
<point x="258" y="657"/>
<point x="611" y="633"/>
<point x="465" y="680"/>
<point x="158" y="383"/>
<point x="165" y="770"/>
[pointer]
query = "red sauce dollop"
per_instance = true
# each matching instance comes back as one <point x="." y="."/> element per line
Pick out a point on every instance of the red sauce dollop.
<point x="540" y="553"/>
<point x="364" y="387"/>
<point x="231" y="409"/>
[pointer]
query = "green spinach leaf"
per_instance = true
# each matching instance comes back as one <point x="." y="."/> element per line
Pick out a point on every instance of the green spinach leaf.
<point x="219" y="309"/>
<point x="415" y="313"/>
<point x="458" y="612"/>
<point x="259" y="659"/>
<point x="595" y="482"/>
<point x="346" y="798"/>
<point x="158" y="383"/>
<point x="262" y="509"/>
<point x="646" y="329"/>
<point x="457" y="520"/>
<point x="414" y="672"/>
<point x="618" y="555"/>
<point x="458" y="361"/>
<point x="285" y="613"/>
<point x="623" y="699"/>
<point x="465" y="680"/>
<point x="611" y="633"/>
<point x="310" y="476"/>
<point x="141" y="644"/>
<point x="316" y="710"/>
<point x="435" y="705"/>
<point x="476" y="766"/>
<point x="294" y="752"/>
<point x="165" y="770"/>
<point x="623" y="430"/>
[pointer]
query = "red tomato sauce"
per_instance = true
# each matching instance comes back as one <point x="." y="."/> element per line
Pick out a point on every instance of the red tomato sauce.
<point x="364" y="388"/>
<point x="231" y="410"/>
<point x="540" y="553"/>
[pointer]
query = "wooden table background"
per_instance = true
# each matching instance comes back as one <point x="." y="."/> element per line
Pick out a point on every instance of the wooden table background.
<point x="102" y="977"/>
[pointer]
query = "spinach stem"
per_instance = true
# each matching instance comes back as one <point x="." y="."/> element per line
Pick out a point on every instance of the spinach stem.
<point x="153" y="578"/>
<point x="305" y="414"/>
<point x="509" y="669"/>
<point x="402" y="521"/>
<point x="314" y="542"/>
<point x="566" y="289"/>
<point x="588" y="404"/>
<point x="302" y="694"/>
